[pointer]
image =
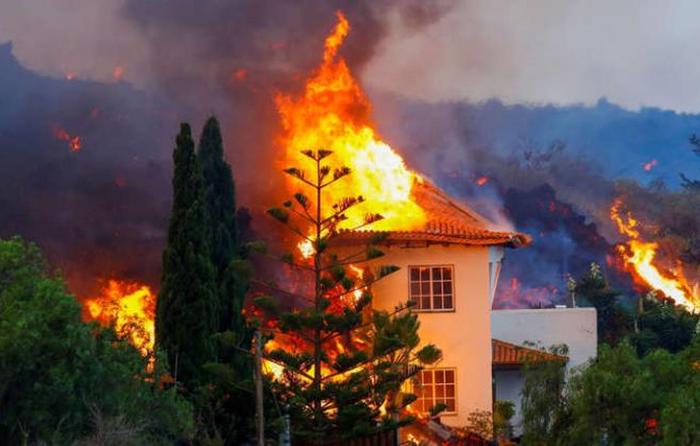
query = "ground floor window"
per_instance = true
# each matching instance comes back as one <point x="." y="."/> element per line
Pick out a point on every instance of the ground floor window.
<point x="435" y="386"/>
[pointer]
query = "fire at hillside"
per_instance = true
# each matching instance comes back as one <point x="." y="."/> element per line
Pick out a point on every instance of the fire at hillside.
<point x="640" y="257"/>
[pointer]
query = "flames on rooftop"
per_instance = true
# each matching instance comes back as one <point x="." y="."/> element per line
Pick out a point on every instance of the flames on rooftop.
<point x="332" y="112"/>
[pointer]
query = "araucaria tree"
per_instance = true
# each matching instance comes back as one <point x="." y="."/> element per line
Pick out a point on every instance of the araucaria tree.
<point x="187" y="311"/>
<point x="344" y="363"/>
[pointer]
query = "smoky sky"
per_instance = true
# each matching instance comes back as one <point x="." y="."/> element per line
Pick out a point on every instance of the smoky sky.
<point x="635" y="53"/>
<point x="545" y="51"/>
<point x="102" y="212"/>
<point x="122" y="74"/>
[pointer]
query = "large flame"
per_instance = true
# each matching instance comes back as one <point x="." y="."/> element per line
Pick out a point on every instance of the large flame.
<point x="333" y="112"/>
<point x="640" y="256"/>
<point x="129" y="307"/>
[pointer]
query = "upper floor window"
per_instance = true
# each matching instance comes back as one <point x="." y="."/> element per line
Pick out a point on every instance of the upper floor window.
<point x="436" y="386"/>
<point x="431" y="287"/>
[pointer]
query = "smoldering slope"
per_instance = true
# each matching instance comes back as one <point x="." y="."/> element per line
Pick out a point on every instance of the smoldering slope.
<point x="102" y="212"/>
<point x="552" y="171"/>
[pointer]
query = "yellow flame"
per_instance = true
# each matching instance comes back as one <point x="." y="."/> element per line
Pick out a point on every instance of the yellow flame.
<point x="130" y="308"/>
<point x="640" y="255"/>
<point x="333" y="113"/>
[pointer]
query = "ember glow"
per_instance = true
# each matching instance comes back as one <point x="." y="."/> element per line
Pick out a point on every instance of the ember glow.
<point x="650" y="165"/>
<point x="481" y="181"/>
<point x="118" y="73"/>
<point x="74" y="142"/>
<point x="127" y="306"/>
<point x="240" y="74"/>
<point x="333" y="112"/>
<point x="640" y="255"/>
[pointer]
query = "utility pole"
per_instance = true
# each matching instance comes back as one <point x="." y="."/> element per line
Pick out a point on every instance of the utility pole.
<point x="285" y="438"/>
<point x="259" y="390"/>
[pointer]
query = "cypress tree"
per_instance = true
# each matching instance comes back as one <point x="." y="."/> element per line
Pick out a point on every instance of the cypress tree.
<point x="230" y="377"/>
<point x="187" y="310"/>
<point x="221" y="207"/>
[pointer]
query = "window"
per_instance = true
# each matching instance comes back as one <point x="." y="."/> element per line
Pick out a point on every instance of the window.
<point x="435" y="386"/>
<point x="431" y="288"/>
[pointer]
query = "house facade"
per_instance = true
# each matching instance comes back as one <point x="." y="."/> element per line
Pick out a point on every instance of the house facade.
<point x="449" y="269"/>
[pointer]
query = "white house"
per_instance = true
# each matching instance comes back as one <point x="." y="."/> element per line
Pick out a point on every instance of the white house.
<point x="449" y="268"/>
<point x="574" y="327"/>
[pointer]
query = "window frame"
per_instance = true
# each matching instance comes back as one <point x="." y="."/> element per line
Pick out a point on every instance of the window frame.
<point x="432" y="301"/>
<point x="432" y="370"/>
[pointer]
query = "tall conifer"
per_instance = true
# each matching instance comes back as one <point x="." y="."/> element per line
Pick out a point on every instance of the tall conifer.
<point x="221" y="207"/>
<point x="342" y="364"/>
<point x="187" y="311"/>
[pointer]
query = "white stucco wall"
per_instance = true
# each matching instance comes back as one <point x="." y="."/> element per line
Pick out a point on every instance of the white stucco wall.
<point x="575" y="327"/>
<point x="463" y="335"/>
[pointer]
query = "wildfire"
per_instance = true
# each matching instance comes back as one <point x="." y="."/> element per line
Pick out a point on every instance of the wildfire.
<point x="333" y="112"/>
<point x="129" y="307"/>
<point x="640" y="256"/>
<point x="74" y="142"/>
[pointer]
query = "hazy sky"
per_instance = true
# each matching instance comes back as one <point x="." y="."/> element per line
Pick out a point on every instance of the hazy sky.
<point x="539" y="51"/>
<point x="633" y="52"/>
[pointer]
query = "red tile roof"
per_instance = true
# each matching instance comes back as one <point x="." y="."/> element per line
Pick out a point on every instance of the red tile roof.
<point x="447" y="222"/>
<point x="507" y="355"/>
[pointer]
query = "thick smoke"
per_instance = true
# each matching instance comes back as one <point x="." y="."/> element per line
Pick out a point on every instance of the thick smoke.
<point x="231" y="58"/>
<point x="98" y="212"/>
<point x="102" y="211"/>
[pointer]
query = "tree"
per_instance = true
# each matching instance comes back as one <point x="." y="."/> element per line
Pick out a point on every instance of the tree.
<point x="690" y="184"/>
<point x="542" y="405"/>
<point x="614" y="321"/>
<point x="621" y="398"/>
<point x="187" y="311"/>
<point x="344" y="363"/>
<point x="225" y="405"/>
<point x="662" y="324"/>
<point x="62" y="379"/>
<point x="221" y="208"/>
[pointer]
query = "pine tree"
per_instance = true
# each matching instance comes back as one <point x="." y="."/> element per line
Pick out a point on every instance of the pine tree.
<point x="221" y="207"/>
<point x="187" y="311"/>
<point x="691" y="184"/>
<point x="344" y="364"/>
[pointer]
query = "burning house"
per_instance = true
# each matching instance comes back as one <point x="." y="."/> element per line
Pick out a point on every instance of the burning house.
<point x="449" y="269"/>
<point x="449" y="256"/>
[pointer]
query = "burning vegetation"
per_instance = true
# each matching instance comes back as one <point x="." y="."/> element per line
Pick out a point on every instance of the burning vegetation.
<point x="127" y="306"/>
<point x="640" y="257"/>
<point x="74" y="141"/>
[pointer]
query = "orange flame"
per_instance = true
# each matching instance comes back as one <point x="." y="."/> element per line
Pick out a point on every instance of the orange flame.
<point x="640" y="256"/>
<point x="74" y="142"/>
<point x="333" y="112"/>
<point x="481" y="181"/>
<point x="129" y="307"/>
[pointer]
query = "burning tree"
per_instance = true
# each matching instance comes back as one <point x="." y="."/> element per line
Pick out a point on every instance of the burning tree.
<point x="340" y="365"/>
